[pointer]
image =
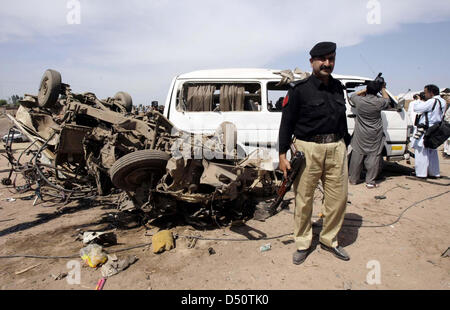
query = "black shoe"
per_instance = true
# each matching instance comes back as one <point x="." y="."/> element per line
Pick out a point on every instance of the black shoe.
<point x="338" y="251"/>
<point x="300" y="256"/>
<point x="434" y="178"/>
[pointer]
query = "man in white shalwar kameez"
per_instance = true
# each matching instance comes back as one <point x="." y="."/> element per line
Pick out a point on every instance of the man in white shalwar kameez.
<point x="427" y="160"/>
<point x="411" y="112"/>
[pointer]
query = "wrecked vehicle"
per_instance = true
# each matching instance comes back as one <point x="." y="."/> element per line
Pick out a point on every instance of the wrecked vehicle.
<point x="87" y="146"/>
<point x="81" y="136"/>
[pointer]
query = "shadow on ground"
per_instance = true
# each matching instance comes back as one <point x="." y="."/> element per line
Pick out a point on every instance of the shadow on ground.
<point x="348" y="234"/>
<point x="246" y="230"/>
<point x="391" y="169"/>
<point x="43" y="218"/>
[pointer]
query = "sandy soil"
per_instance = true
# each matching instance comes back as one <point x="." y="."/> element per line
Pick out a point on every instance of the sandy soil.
<point x="408" y="251"/>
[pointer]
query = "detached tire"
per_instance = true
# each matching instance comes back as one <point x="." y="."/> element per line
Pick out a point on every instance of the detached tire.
<point x="133" y="169"/>
<point x="124" y="100"/>
<point x="49" y="89"/>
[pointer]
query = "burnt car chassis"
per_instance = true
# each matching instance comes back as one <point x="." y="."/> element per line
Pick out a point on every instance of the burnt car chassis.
<point x="85" y="147"/>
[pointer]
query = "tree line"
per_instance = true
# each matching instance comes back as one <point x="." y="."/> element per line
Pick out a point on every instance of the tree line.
<point x="12" y="101"/>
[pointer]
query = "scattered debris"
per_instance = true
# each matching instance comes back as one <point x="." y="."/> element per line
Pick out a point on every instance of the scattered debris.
<point x="312" y="265"/>
<point x="262" y="211"/>
<point x="192" y="241"/>
<point x="112" y="257"/>
<point x="446" y="253"/>
<point x="286" y="242"/>
<point x="347" y="285"/>
<point x="29" y="197"/>
<point x="102" y="238"/>
<point x="10" y="199"/>
<point x="59" y="276"/>
<point x="100" y="284"/>
<point x="112" y="268"/>
<point x="265" y="248"/>
<point x="381" y="197"/>
<point x="162" y="241"/>
<point x="8" y="220"/>
<point x="93" y="255"/>
<point x="25" y="196"/>
<point x="26" y="269"/>
<point x="211" y="251"/>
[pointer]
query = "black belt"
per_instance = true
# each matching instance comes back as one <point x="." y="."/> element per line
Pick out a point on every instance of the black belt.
<point x="328" y="138"/>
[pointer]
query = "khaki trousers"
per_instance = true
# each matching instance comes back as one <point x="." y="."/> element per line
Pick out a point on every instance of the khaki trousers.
<point x="327" y="162"/>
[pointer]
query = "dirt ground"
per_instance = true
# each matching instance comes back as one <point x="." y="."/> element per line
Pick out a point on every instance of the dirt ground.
<point x="408" y="250"/>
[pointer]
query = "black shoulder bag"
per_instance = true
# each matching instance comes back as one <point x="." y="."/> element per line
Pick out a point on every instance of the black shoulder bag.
<point x="437" y="134"/>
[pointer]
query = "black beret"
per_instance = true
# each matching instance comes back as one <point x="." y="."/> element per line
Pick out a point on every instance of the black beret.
<point x="323" y="48"/>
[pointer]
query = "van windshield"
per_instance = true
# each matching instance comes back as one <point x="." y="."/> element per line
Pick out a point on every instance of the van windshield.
<point x="223" y="97"/>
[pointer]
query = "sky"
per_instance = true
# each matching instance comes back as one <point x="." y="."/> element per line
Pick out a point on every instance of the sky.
<point x="139" y="46"/>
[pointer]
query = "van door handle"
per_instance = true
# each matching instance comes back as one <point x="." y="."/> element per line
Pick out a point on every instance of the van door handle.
<point x="351" y="115"/>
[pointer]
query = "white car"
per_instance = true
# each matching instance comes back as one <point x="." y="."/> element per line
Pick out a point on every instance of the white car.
<point x="199" y="102"/>
<point x="15" y="136"/>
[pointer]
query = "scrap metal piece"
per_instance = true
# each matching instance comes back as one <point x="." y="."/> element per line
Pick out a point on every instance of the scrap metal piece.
<point x="101" y="238"/>
<point x="289" y="76"/>
<point x="112" y="267"/>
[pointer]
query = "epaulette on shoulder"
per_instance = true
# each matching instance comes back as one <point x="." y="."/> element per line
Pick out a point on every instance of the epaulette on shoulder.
<point x="299" y="82"/>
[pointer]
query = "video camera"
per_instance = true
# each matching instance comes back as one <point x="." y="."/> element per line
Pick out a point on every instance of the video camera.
<point x="377" y="84"/>
<point x="379" y="81"/>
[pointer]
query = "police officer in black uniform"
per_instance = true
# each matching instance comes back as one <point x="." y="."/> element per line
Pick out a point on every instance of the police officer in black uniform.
<point x="314" y="114"/>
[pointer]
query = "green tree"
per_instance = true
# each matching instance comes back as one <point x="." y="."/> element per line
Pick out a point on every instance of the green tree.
<point x="3" y="102"/>
<point x="14" y="99"/>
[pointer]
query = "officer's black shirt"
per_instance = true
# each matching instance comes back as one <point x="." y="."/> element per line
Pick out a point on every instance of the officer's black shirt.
<point x="312" y="108"/>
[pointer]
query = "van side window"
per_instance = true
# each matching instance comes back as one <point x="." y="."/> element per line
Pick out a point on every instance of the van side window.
<point x="275" y="96"/>
<point x="224" y="97"/>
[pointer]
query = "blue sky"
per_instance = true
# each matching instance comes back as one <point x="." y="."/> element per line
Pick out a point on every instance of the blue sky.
<point x="409" y="57"/>
<point x="139" y="46"/>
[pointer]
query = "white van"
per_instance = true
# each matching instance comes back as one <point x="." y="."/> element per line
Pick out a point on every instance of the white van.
<point x="199" y="102"/>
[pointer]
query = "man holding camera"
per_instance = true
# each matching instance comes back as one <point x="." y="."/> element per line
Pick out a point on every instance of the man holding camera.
<point x="431" y="112"/>
<point x="368" y="137"/>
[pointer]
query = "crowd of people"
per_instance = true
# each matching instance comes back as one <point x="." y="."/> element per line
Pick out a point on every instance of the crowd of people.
<point x="427" y="109"/>
<point x="314" y="122"/>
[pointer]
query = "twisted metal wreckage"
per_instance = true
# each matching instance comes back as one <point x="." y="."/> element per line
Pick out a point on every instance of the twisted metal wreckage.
<point x="83" y="147"/>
